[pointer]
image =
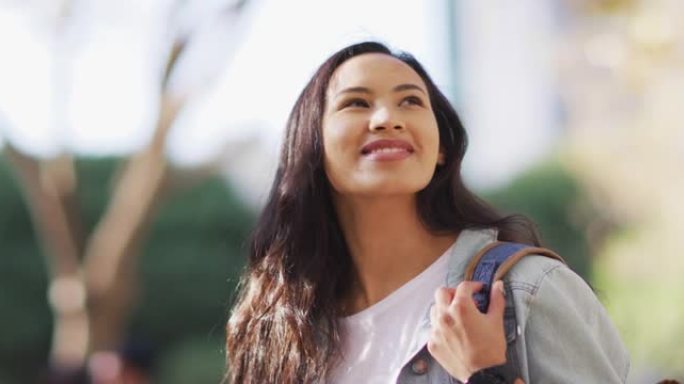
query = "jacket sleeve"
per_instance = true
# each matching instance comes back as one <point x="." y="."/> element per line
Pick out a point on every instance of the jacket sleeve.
<point x="569" y="337"/>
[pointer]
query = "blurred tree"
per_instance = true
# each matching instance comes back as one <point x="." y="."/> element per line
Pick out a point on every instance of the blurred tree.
<point x="92" y="271"/>
<point x="556" y="202"/>
<point x="188" y="268"/>
<point x="620" y="84"/>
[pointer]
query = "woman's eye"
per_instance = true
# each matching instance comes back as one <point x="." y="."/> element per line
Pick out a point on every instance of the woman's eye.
<point x="355" y="103"/>
<point x="412" y="100"/>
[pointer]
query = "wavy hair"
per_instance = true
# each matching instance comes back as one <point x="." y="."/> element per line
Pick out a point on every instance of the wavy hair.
<point x="283" y="327"/>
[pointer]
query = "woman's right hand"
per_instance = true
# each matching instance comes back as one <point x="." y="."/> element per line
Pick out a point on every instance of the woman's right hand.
<point x="464" y="340"/>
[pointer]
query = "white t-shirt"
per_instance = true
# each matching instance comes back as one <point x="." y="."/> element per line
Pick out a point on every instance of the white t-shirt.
<point x="378" y="341"/>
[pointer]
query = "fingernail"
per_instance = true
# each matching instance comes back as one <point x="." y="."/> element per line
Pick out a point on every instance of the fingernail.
<point x="501" y="287"/>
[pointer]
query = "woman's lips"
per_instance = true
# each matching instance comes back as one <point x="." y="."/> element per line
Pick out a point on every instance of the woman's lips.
<point x="387" y="150"/>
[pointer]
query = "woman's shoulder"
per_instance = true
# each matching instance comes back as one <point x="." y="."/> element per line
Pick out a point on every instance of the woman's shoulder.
<point x="534" y="271"/>
<point x="529" y="273"/>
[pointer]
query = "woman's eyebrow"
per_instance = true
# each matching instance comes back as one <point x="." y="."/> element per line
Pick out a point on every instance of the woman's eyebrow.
<point x="354" y="90"/>
<point x="398" y="88"/>
<point x="408" y="87"/>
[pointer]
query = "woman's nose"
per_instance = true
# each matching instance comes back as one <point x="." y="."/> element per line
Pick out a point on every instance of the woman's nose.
<point x="383" y="118"/>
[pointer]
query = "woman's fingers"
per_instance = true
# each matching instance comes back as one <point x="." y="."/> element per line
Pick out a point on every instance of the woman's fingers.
<point x="453" y="304"/>
<point x="439" y="317"/>
<point x="443" y="296"/>
<point x="463" y="302"/>
<point x="438" y="312"/>
<point x="466" y="289"/>
<point x="497" y="300"/>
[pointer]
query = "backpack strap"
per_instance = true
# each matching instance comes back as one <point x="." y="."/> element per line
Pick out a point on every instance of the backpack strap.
<point x="490" y="265"/>
<point x="494" y="261"/>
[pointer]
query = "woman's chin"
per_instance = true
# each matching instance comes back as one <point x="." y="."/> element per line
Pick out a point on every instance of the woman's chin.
<point x="386" y="188"/>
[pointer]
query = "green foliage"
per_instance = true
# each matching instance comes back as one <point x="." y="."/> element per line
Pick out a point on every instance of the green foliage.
<point x="25" y="322"/>
<point x="191" y="263"/>
<point x="188" y="266"/>
<point x="95" y="179"/>
<point x="554" y="200"/>
<point x="193" y="361"/>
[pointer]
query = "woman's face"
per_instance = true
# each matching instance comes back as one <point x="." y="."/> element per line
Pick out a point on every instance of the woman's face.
<point x="380" y="135"/>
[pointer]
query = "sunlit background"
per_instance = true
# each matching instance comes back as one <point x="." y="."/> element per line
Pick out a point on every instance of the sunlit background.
<point x="138" y="140"/>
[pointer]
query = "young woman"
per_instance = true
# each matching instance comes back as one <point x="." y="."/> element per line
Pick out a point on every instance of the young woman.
<point x="356" y="265"/>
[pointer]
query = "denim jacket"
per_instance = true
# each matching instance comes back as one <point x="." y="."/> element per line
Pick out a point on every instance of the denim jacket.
<point x="557" y="330"/>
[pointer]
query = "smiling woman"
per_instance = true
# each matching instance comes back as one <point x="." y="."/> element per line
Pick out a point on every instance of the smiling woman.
<point x="380" y="134"/>
<point x="357" y="263"/>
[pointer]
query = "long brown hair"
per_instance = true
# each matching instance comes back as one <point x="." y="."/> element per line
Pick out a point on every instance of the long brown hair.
<point x="283" y="327"/>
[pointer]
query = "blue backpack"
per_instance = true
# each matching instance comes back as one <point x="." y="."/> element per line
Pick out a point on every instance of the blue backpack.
<point x="491" y="264"/>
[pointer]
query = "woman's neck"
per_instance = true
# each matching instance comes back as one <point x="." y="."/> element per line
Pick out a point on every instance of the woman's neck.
<point x="389" y="246"/>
